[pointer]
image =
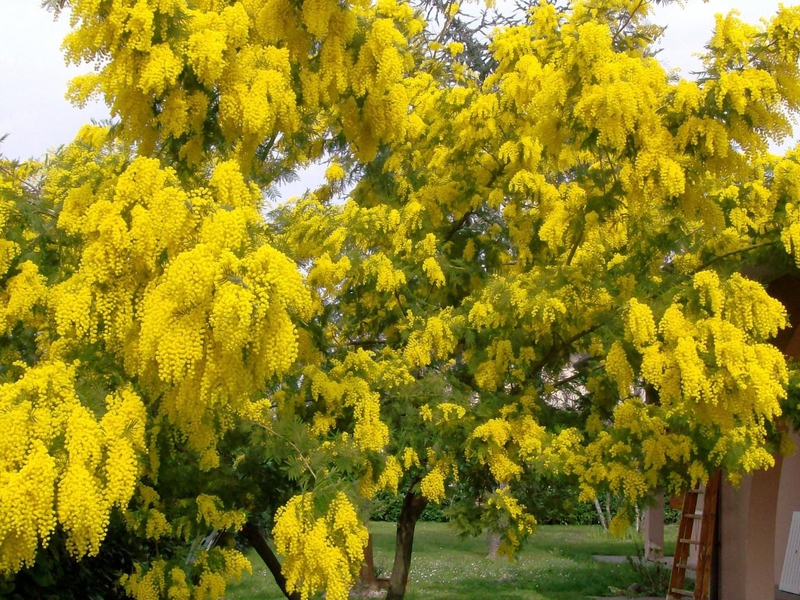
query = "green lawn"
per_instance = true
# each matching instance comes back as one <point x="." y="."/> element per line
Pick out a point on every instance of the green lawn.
<point x="556" y="564"/>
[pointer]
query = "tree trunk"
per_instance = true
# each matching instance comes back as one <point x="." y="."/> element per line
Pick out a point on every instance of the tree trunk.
<point x="413" y="505"/>
<point x="495" y="537"/>
<point x="367" y="574"/>
<point x="494" y="544"/>
<point x="600" y="513"/>
<point x="367" y="581"/>
<point x="258" y="540"/>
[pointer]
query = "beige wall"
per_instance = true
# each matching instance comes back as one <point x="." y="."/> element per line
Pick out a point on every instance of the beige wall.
<point x="747" y="537"/>
<point x="733" y="534"/>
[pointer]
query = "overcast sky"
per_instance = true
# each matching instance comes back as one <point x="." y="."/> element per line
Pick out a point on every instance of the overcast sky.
<point x="33" y="75"/>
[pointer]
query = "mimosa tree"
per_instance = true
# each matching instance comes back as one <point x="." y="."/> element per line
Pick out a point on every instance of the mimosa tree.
<point x="554" y="240"/>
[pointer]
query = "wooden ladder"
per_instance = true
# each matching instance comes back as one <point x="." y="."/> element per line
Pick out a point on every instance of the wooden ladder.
<point x="705" y="545"/>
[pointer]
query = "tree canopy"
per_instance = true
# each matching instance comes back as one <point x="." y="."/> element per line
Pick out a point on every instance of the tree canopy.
<point x="536" y="251"/>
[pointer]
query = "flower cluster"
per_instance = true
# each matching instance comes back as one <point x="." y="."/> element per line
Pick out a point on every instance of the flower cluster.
<point x="343" y="387"/>
<point x="212" y="571"/>
<point x="505" y="444"/>
<point x="509" y="517"/>
<point x="231" y="68"/>
<point x="213" y="322"/>
<point x="23" y="291"/>
<point x="61" y="465"/>
<point x="322" y="551"/>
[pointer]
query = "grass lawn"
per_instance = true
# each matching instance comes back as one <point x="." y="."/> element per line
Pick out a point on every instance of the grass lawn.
<point x="556" y="564"/>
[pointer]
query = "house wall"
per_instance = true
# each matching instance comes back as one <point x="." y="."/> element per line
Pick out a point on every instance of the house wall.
<point x="747" y="536"/>
<point x="755" y="518"/>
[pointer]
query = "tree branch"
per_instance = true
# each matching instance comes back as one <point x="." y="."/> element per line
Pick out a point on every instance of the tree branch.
<point x="291" y="443"/>
<point x="734" y="252"/>
<point x="627" y="21"/>
<point x="537" y="366"/>
<point x="458" y="225"/>
<point x="31" y="188"/>
<point x="258" y="540"/>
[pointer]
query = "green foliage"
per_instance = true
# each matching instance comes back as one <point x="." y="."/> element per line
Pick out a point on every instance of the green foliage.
<point x="792" y="404"/>
<point x="386" y="506"/>
<point x="552" y="501"/>
<point x="652" y="578"/>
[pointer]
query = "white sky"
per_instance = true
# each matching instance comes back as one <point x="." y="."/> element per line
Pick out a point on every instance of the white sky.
<point x="33" y="75"/>
<point x="690" y="27"/>
<point x="33" y="81"/>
